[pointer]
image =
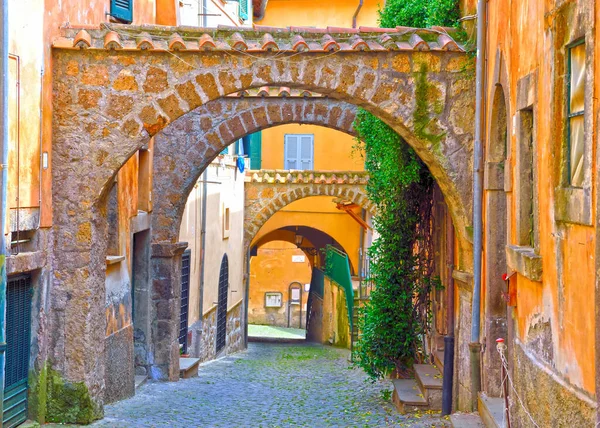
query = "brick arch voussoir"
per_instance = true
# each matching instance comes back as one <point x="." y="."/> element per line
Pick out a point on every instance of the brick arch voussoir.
<point x="182" y="151"/>
<point x="355" y="193"/>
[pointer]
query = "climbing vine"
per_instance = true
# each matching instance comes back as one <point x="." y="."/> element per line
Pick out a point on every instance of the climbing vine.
<point x="393" y="322"/>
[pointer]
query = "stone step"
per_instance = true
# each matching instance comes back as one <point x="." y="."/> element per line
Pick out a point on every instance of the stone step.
<point x="429" y="380"/>
<point x="491" y="410"/>
<point x="407" y="396"/>
<point x="466" y="420"/>
<point x="188" y="367"/>
<point x="140" y="380"/>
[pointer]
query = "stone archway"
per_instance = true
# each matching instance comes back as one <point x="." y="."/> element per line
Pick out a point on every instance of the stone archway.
<point x="269" y="191"/>
<point x="115" y="87"/>
<point x="184" y="149"/>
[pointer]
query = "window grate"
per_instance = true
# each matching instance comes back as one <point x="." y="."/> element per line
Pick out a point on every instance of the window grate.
<point x="185" y="297"/>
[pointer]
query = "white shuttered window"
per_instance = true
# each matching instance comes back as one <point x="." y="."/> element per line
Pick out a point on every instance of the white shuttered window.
<point x="299" y="151"/>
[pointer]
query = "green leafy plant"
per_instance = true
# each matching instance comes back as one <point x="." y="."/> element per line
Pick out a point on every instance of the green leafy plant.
<point x="419" y="13"/>
<point x="386" y="394"/>
<point x="394" y="321"/>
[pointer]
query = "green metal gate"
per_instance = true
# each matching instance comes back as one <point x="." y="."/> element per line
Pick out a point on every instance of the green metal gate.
<point x="18" y="332"/>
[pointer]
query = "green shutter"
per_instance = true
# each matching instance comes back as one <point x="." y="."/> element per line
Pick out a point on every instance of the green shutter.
<point x="244" y="8"/>
<point x="122" y="9"/>
<point x="255" y="150"/>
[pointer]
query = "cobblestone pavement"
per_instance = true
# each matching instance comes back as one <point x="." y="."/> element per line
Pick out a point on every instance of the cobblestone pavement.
<point x="268" y="385"/>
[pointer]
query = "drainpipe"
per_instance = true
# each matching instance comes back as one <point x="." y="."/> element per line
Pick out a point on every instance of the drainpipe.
<point x="3" y="188"/>
<point x="203" y="244"/>
<point x="449" y="338"/>
<point x="354" y="18"/>
<point x="475" y="346"/>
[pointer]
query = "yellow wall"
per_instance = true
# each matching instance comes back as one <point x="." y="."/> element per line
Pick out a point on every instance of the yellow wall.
<point x="315" y="13"/>
<point x="333" y="150"/>
<point x="271" y="270"/>
<point x="318" y="212"/>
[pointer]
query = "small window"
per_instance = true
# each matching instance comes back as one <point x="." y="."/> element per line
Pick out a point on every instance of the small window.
<point x="525" y="184"/>
<point x="226" y="222"/>
<point x="575" y="113"/>
<point x="122" y="10"/>
<point x="299" y="151"/>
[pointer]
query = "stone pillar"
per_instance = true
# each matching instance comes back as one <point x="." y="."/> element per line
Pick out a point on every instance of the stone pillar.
<point x="77" y="320"/>
<point x="165" y="308"/>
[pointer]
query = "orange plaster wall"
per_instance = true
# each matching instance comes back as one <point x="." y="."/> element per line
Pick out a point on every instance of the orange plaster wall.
<point x="565" y="297"/>
<point x="55" y="14"/>
<point x="271" y="270"/>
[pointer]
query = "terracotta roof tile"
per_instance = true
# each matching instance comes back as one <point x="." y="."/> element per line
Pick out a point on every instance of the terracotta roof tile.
<point x="299" y="44"/>
<point x="176" y="43"/>
<point x="112" y="41"/>
<point x="329" y="44"/>
<point x="269" y="43"/>
<point x="144" y="41"/>
<point x="206" y="43"/>
<point x="82" y="40"/>
<point x="238" y="43"/>
<point x="257" y="39"/>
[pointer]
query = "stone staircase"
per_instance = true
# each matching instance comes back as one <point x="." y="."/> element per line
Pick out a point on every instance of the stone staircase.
<point x="424" y="392"/>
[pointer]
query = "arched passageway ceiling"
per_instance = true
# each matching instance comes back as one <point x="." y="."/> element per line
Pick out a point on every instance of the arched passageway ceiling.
<point x="265" y="196"/>
<point x="313" y="237"/>
<point x="116" y="89"/>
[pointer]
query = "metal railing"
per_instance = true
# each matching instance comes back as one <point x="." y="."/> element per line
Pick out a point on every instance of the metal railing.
<point x="365" y="281"/>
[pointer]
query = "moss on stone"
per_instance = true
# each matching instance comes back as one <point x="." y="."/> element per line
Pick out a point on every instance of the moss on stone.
<point x="425" y="127"/>
<point x="37" y="400"/>
<point x="69" y="402"/>
<point x="343" y="325"/>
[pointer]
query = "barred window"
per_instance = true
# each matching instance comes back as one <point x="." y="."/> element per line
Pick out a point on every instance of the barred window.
<point x="575" y="110"/>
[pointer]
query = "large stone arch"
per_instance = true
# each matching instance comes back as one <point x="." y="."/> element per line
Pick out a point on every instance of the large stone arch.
<point x="184" y="149"/>
<point x="115" y="87"/>
<point x="126" y="85"/>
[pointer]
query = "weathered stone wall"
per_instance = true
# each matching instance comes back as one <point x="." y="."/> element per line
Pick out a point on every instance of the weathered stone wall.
<point x="235" y="329"/>
<point x="462" y="333"/>
<point x="550" y="400"/>
<point x="204" y="334"/>
<point x="120" y="370"/>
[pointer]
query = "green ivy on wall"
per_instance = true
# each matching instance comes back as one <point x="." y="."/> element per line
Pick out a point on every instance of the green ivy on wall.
<point x="419" y="13"/>
<point x="394" y="320"/>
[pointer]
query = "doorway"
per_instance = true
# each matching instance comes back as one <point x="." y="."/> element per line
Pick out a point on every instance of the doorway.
<point x="18" y="333"/>
<point x="140" y="309"/>
<point x="222" y="304"/>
